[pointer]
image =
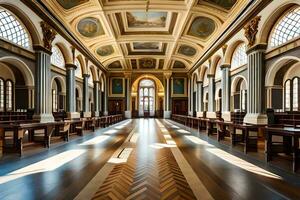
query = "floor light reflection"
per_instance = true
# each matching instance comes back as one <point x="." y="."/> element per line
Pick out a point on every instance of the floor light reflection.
<point x="183" y="131"/>
<point x="96" y="140"/>
<point x="112" y="131"/>
<point x="161" y="145"/>
<point x="48" y="164"/>
<point x="122" y="157"/>
<point x="197" y="140"/>
<point x="134" y="138"/>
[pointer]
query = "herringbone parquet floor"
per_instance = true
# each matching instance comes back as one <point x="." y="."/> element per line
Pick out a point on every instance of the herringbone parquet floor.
<point x="149" y="173"/>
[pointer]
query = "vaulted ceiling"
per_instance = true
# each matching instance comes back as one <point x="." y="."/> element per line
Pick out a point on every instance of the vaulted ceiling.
<point x="146" y="35"/>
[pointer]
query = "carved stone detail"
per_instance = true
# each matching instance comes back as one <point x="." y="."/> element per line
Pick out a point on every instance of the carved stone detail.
<point x="48" y="35"/>
<point x="251" y="30"/>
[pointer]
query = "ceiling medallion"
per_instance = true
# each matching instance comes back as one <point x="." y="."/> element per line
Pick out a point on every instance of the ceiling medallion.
<point x="202" y="27"/>
<point x="90" y="27"/>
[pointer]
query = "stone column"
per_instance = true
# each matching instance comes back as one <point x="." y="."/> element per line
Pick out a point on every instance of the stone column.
<point x="128" y="96"/>
<point x="96" y="98"/>
<point x="255" y="91"/>
<point x="200" y="98"/>
<point x="225" y="83"/>
<point x="191" y="96"/>
<point x="71" y="94"/>
<point x="211" y="96"/>
<point x="43" y="108"/>
<point x="100" y="98"/>
<point x="86" y="110"/>
<point x="105" y="112"/>
<point x="167" y="112"/>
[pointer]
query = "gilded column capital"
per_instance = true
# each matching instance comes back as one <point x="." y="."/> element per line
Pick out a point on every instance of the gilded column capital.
<point x="251" y="30"/>
<point x="48" y="35"/>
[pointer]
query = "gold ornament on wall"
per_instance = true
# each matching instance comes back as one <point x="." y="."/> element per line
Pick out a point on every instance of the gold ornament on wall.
<point x="251" y="30"/>
<point x="48" y="35"/>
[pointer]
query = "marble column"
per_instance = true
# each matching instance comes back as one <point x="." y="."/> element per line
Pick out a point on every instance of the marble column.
<point x="43" y="104"/>
<point x="96" y="98"/>
<point x="211" y="97"/>
<point x="100" y="97"/>
<point x="86" y="103"/>
<point x="167" y="112"/>
<point x="191" y="99"/>
<point x="105" y="112"/>
<point x="71" y="94"/>
<point x="200" y="99"/>
<point x="225" y="84"/>
<point x="128" y="96"/>
<point x="255" y="91"/>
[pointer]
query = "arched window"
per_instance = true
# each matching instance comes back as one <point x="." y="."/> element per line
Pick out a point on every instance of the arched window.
<point x="1" y="95"/>
<point x="57" y="57"/>
<point x="287" y="91"/>
<point x="9" y="95"/>
<point x="147" y="98"/>
<point x="239" y="57"/>
<point x="54" y="100"/>
<point x="296" y="94"/>
<point x="286" y="28"/>
<point x="12" y="30"/>
<point x="78" y="72"/>
<point x="91" y="80"/>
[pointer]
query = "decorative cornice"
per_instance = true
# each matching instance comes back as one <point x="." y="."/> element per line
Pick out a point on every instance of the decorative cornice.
<point x="223" y="66"/>
<point x="48" y="35"/>
<point x="257" y="47"/>
<point x="251" y="30"/>
<point x="41" y="48"/>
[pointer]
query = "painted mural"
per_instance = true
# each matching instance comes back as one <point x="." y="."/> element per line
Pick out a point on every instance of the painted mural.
<point x="117" y="86"/>
<point x="146" y="19"/>
<point x="68" y="4"/>
<point x="178" y="86"/>
<point x="202" y="27"/>
<point x="115" y="65"/>
<point x="187" y="50"/>
<point x="226" y="4"/>
<point x="105" y="50"/>
<point x="178" y="65"/>
<point x="148" y="63"/>
<point x="90" y="27"/>
<point x="145" y="46"/>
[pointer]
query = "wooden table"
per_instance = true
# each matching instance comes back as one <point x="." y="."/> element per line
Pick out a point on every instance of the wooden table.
<point x="224" y="129"/>
<point x="290" y="143"/>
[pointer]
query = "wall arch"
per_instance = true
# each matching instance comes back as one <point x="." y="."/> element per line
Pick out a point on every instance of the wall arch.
<point x="62" y="82"/>
<point x="235" y="82"/>
<point x="230" y="50"/>
<point x="67" y="55"/>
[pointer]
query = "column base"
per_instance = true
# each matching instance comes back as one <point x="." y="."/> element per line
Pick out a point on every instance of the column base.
<point x="200" y="114"/>
<point x="167" y="114"/>
<point x="211" y="115"/>
<point x="73" y="115"/>
<point x="255" y="118"/>
<point x="128" y="114"/>
<point x="87" y="114"/>
<point x="190" y="113"/>
<point x="96" y="113"/>
<point x="44" y="117"/>
<point x="105" y="113"/>
<point x="226" y="116"/>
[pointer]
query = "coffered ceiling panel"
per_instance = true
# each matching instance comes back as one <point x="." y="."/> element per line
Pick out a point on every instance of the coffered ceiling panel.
<point x="146" y="34"/>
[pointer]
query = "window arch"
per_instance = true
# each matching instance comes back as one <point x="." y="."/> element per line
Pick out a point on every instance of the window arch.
<point x="295" y="94"/>
<point x="1" y="94"/>
<point x="9" y="95"/>
<point x="147" y="97"/>
<point x="239" y="57"/>
<point x="57" y="57"/>
<point x="287" y="92"/>
<point x="78" y="72"/>
<point x="12" y="29"/>
<point x="286" y="28"/>
<point x="291" y="94"/>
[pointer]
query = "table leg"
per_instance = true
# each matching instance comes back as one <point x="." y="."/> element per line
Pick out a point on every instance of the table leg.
<point x="269" y="146"/>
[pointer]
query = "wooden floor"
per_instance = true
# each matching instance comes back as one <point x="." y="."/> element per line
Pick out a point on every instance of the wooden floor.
<point x="143" y="159"/>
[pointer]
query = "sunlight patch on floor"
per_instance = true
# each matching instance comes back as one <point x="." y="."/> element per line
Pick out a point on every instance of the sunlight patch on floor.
<point x="197" y="140"/>
<point x="122" y="157"/>
<point x="46" y="165"/>
<point x="96" y="140"/>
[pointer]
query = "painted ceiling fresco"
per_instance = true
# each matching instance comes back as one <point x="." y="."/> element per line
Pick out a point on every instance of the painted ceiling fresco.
<point x="226" y="4"/>
<point x="68" y="4"/>
<point x="202" y="27"/>
<point x="90" y="27"/>
<point x="146" y="19"/>
<point x="142" y="35"/>
<point x="105" y="50"/>
<point x="187" y="50"/>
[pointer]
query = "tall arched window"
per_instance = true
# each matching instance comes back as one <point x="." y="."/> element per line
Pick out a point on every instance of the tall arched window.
<point x="54" y="100"/>
<point x="287" y="91"/>
<point x="9" y="95"/>
<point x="296" y="94"/>
<point x="239" y="57"/>
<point x="57" y="57"/>
<point x="147" y="98"/>
<point x="218" y="74"/>
<point x="286" y="28"/>
<point x="78" y="72"/>
<point x="1" y="95"/>
<point x="12" y="30"/>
